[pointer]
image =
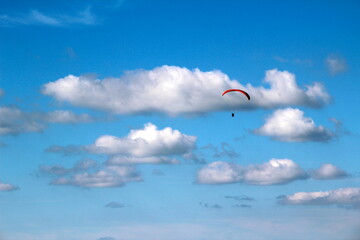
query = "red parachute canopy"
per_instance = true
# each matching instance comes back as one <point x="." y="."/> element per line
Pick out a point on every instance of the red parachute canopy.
<point x="237" y="90"/>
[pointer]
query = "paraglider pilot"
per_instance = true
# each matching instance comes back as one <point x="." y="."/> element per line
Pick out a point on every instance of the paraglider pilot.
<point x="232" y="114"/>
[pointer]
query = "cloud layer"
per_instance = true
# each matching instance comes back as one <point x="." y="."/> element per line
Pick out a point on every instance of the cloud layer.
<point x="347" y="197"/>
<point x="175" y="91"/>
<point x="290" y="125"/>
<point x="276" y="171"/>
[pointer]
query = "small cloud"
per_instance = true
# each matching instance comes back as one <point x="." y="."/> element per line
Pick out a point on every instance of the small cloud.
<point x="65" y="150"/>
<point x="147" y="142"/>
<point x="84" y="165"/>
<point x="241" y="198"/>
<point x="226" y="150"/>
<point x="276" y="171"/>
<point x="7" y="187"/>
<point x="343" y="197"/>
<point x="335" y="64"/>
<point x="14" y="121"/>
<point x="106" y="238"/>
<point x="290" y="125"/>
<point x="242" y="206"/>
<point x="214" y="206"/>
<point x="328" y="171"/>
<point x="55" y="170"/>
<point x="62" y="116"/>
<point x="158" y="172"/>
<point x="123" y="160"/>
<point x="109" y="176"/>
<point x="281" y="59"/>
<point x="114" y="205"/>
<point x="69" y="52"/>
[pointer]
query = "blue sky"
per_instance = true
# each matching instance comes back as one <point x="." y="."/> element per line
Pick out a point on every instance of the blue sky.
<point x="113" y="127"/>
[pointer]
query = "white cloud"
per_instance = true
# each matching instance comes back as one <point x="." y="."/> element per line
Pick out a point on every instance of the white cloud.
<point x="348" y="197"/>
<point x="336" y="64"/>
<point x="62" y="116"/>
<point x="36" y="17"/>
<point x="88" y="174"/>
<point x="5" y="187"/>
<point x="328" y="171"/>
<point x="58" y="170"/>
<point x="290" y="125"/>
<point x="175" y="91"/>
<point x="123" y="160"/>
<point x="147" y="142"/>
<point x="15" y="121"/>
<point x="110" y="176"/>
<point x="220" y="172"/>
<point x="276" y="171"/>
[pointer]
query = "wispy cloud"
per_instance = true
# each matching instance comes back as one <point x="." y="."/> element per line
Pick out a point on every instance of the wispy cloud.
<point x="214" y="206"/>
<point x="336" y="64"/>
<point x="345" y="197"/>
<point x="240" y="198"/>
<point x="15" y="121"/>
<point x="290" y="125"/>
<point x="114" y="205"/>
<point x="58" y="170"/>
<point x="226" y="150"/>
<point x="176" y="91"/>
<point x="36" y="17"/>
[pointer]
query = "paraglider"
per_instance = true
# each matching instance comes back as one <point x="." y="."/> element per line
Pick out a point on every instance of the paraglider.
<point x="236" y="90"/>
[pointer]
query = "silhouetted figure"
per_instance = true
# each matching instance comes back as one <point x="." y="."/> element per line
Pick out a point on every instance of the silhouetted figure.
<point x="232" y="114"/>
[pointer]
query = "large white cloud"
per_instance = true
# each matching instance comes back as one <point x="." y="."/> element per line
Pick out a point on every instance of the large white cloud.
<point x="290" y="125"/>
<point x="328" y="171"/>
<point x="147" y="142"/>
<point x="276" y="171"/>
<point x="174" y="90"/>
<point x="5" y="187"/>
<point x="349" y="197"/>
